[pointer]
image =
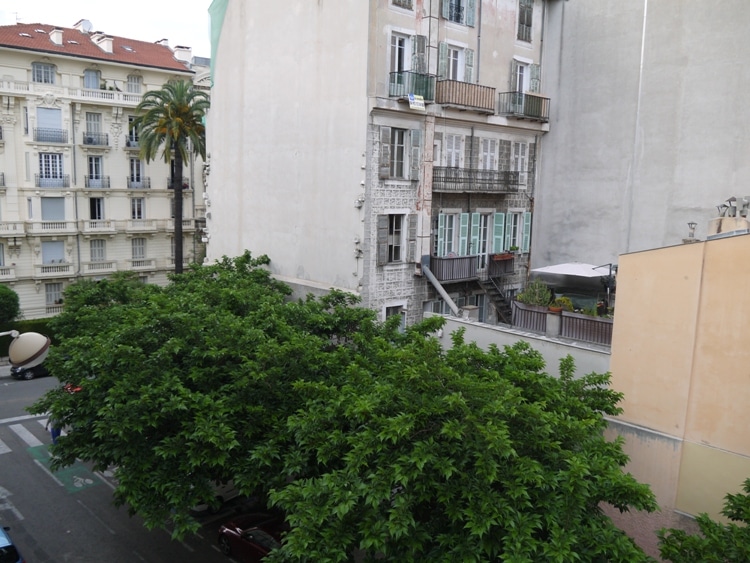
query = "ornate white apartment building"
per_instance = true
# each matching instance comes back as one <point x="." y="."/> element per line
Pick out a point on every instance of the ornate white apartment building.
<point x="76" y="200"/>
<point x="387" y="148"/>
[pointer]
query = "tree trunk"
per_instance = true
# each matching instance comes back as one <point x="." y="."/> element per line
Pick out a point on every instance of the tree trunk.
<point x="177" y="186"/>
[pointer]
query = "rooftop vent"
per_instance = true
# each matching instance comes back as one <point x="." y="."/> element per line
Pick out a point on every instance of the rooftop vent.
<point x="56" y="36"/>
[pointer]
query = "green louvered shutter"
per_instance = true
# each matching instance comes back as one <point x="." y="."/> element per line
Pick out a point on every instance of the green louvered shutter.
<point x="498" y="232"/>
<point x="446" y="9"/>
<point x="471" y="10"/>
<point x="442" y="61"/>
<point x="508" y="229"/>
<point x="382" y="239"/>
<point x="384" y="169"/>
<point x="463" y="235"/>
<point x="535" y="75"/>
<point x="469" y="67"/>
<point x="474" y="234"/>
<point x="415" y="156"/>
<point x="441" y="235"/>
<point x="513" y="75"/>
<point x="526" y="240"/>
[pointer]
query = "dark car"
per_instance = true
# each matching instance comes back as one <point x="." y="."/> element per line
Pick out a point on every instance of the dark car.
<point x="29" y="373"/>
<point x="250" y="537"/>
<point x="8" y="551"/>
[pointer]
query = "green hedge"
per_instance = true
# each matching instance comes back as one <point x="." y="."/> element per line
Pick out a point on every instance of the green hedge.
<point x="33" y="325"/>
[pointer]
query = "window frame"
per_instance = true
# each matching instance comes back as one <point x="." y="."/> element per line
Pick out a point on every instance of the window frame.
<point x="96" y="208"/>
<point x="525" y="20"/>
<point x="134" y="84"/>
<point x="43" y="73"/>
<point x="53" y="292"/>
<point x="98" y="250"/>
<point x="137" y="208"/>
<point x="398" y="152"/>
<point x="92" y="79"/>
<point x="138" y="248"/>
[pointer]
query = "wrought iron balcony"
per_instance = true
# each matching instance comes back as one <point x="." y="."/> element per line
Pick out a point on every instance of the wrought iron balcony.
<point x="465" y="95"/>
<point x="44" y="181"/>
<point x="523" y="106"/>
<point x="456" y="12"/>
<point x="132" y="144"/>
<point x="42" y="135"/>
<point x="96" y="181"/>
<point x="185" y="184"/>
<point x="96" y="139"/>
<point x="454" y="269"/>
<point x="142" y="183"/>
<point x="405" y="82"/>
<point x="407" y="4"/>
<point x="469" y="180"/>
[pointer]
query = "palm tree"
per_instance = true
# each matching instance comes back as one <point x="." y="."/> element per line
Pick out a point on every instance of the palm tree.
<point x="173" y="117"/>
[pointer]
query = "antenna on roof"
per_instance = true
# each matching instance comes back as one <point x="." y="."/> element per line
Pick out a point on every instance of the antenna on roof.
<point x="86" y="26"/>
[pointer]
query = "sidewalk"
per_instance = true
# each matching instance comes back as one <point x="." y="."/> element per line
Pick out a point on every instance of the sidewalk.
<point x="4" y="370"/>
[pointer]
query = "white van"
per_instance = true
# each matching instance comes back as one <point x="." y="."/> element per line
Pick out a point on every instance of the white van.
<point x="223" y="491"/>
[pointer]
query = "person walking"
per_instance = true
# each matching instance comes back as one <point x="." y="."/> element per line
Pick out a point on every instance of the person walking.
<point x="54" y="430"/>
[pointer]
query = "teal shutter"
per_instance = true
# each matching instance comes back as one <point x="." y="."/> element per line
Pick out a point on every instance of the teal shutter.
<point x="474" y="234"/>
<point x="382" y="239"/>
<point x="526" y="239"/>
<point x="471" y="10"/>
<point x="442" y="60"/>
<point x="446" y="9"/>
<point x="498" y="231"/>
<point x="469" y="67"/>
<point x="384" y="169"/>
<point x="415" y="156"/>
<point x="418" y="54"/>
<point x="534" y="78"/>
<point x="441" y="235"/>
<point x="463" y="236"/>
<point x="513" y="75"/>
<point x="508" y="229"/>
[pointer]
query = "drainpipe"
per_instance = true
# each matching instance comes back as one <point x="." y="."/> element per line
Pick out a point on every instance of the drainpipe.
<point x="479" y="40"/>
<point x="439" y="287"/>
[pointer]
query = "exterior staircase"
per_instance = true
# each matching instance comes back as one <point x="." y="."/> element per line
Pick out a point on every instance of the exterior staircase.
<point x="495" y="288"/>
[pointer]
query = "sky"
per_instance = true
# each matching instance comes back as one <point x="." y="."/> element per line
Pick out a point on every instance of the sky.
<point x="181" y="22"/>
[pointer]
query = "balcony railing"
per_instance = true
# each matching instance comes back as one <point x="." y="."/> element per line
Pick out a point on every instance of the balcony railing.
<point x="51" y="227"/>
<point x="132" y="144"/>
<point x="142" y="225"/>
<point x="501" y="265"/>
<point x="99" y="226"/>
<point x="143" y="183"/>
<point x="405" y="82"/>
<point x="469" y="180"/>
<point x="12" y="229"/>
<point x="96" y="139"/>
<point x="100" y="266"/>
<point x="142" y="263"/>
<point x="456" y="12"/>
<point x="465" y="95"/>
<point x="96" y="182"/>
<point x="187" y="224"/>
<point x="523" y="106"/>
<point x="62" y="181"/>
<point x="42" y="135"/>
<point x="53" y="270"/>
<point x="575" y="326"/>
<point x="449" y="269"/>
<point x="7" y="273"/>
<point x="185" y="184"/>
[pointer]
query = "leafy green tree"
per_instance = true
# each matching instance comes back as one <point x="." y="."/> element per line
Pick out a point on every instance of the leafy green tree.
<point x="9" y="305"/>
<point x="172" y="119"/>
<point x="369" y="439"/>
<point x="717" y="542"/>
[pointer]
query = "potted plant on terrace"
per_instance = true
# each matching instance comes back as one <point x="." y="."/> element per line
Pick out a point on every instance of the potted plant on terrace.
<point x="535" y="293"/>
<point x="561" y="304"/>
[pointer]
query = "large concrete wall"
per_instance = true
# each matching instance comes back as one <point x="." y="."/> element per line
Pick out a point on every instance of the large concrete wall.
<point x="648" y="122"/>
<point x="287" y="136"/>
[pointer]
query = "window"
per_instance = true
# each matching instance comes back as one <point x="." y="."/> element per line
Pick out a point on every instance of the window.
<point x="53" y="209"/>
<point x="452" y="151"/>
<point x="446" y="241"/>
<point x="137" y="208"/>
<point x="49" y="126"/>
<point x="454" y="72"/>
<point x="456" y="11"/>
<point x="91" y="79"/>
<point x="518" y="230"/>
<point x="2" y="255"/>
<point x="525" y="12"/>
<point x="400" y="153"/>
<point x="488" y="156"/>
<point x="400" y="52"/>
<point x="519" y="161"/>
<point x="132" y="140"/>
<point x="401" y="312"/>
<point x="406" y="4"/>
<point x="459" y="11"/>
<point x="136" y="173"/>
<point x="463" y="234"/>
<point x="396" y="238"/>
<point x="455" y="63"/>
<point x="98" y="250"/>
<point x="138" y="246"/>
<point x="53" y="293"/>
<point x="50" y="170"/>
<point x="53" y="252"/>
<point x="93" y="122"/>
<point x="480" y="237"/>
<point x="96" y="208"/>
<point x="43" y="72"/>
<point x="134" y="84"/>
<point x="94" y="178"/>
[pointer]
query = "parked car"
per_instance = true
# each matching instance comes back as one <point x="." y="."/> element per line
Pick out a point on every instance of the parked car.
<point x="250" y="537"/>
<point x="223" y="492"/>
<point x="8" y="551"/>
<point x="29" y="373"/>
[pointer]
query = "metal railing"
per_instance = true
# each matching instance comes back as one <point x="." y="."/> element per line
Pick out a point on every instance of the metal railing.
<point x="456" y="12"/>
<point x="96" y="139"/>
<point x="452" y="269"/>
<point x="464" y="180"/>
<point x="132" y="144"/>
<point x="405" y="82"/>
<point x="143" y="183"/>
<point x="407" y="4"/>
<point x="466" y="95"/>
<point x="185" y="184"/>
<point x="530" y="317"/>
<point x="597" y="330"/>
<point x="94" y="182"/>
<point x="43" y="135"/>
<point x="523" y="106"/>
<point x="62" y="181"/>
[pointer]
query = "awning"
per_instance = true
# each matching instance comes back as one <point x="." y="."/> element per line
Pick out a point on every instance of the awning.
<point x="574" y="269"/>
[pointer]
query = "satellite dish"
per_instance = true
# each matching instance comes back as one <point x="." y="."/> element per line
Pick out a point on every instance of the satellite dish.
<point x="86" y="26"/>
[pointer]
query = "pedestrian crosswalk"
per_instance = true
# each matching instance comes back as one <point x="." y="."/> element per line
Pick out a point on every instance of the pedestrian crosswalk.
<point x="31" y="432"/>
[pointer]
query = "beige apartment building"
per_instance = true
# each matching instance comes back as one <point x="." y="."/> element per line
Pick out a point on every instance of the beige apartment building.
<point x="387" y="147"/>
<point x="76" y="199"/>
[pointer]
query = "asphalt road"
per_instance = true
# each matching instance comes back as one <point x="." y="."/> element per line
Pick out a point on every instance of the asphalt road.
<point x="68" y="516"/>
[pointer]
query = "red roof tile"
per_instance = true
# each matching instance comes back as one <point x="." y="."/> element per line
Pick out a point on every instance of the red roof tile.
<point x="36" y="37"/>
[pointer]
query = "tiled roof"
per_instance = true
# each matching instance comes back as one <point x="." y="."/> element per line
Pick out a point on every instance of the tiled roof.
<point x="36" y="37"/>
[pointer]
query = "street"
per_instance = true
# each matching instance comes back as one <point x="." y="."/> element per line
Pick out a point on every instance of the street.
<point x="68" y="516"/>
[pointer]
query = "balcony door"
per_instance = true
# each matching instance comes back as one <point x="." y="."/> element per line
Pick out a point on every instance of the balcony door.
<point x="480" y="237"/>
<point x="95" y="172"/>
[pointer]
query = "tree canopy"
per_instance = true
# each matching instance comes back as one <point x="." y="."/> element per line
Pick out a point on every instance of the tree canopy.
<point x="368" y="438"/>
<point x="9" y="304"/>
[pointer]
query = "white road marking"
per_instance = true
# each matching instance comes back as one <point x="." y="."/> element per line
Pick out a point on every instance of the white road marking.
<point x="104" y="480"/>
<point x="19" y="418"/>
<point x="111" y="531"/>
<point x="26" y="436"/>
<point x="4" y="449"/>
<point x="48" y="472"/>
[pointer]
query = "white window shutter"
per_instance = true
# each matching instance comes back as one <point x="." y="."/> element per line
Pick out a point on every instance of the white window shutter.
<point x="415" y="156"/>
<point x="384" y="169"/>
<point x="474" y="234"/>
<point x="469" y="65"/>
<point x="526" y="238"/>
<point x="463" y="236"/>
<point x="441" y="235"/>
<point x="411" y="255"/>
<point x="382" y="239"/>
<point x="498" y="232"/>
<point x="442" y="60"/>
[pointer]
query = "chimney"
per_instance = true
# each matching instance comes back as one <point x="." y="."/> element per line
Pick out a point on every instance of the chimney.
<point x="162" y="42"/>
<point x="183" y="54"/>
<point x="103" y="40"/>
<point x="56" y="35"/>
<point x="84" y="26"/>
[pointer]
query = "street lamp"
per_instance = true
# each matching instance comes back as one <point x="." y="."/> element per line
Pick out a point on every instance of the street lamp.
<point x="28" y="349"/>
